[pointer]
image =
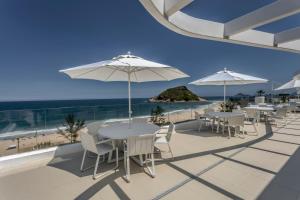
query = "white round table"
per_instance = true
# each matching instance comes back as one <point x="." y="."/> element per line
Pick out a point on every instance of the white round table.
<point x="121" y="131"/>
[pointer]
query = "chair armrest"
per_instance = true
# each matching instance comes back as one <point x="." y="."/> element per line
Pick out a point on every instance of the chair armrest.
<point x="104" y="141"/>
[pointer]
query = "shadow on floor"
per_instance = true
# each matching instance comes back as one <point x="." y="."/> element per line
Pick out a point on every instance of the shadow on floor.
<point x="71" y="164"/>
<point x="286" y="184"/>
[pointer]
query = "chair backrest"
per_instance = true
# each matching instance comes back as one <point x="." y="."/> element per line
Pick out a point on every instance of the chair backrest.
<point x="88" y="141"/>
<point x="171" y="130"/>
<point x="281" y="112"/>
<point x="251" y="113"/>
<point x="197" y="115"/>
<point x="236" y="121"/>
<point x="259" y="100"/>
<point x="94" y="127"/>
<point x="142" y="144"/>
<point x="293" y="106"/>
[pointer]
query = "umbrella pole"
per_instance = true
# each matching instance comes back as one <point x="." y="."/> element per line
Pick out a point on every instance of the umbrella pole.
<point x="224" y="96"/>
<point x="129" y="98"/>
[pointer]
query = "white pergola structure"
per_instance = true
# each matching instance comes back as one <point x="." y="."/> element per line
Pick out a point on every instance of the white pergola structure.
<point x="239" y="30"/>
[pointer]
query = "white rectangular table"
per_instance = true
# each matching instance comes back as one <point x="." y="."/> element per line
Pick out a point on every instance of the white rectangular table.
<point x="262" y="109"/>
<point x="222" y="115"/>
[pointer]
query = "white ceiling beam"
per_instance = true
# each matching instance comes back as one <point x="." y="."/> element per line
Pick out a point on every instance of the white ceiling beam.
<point x="172" y="6"/>
<point x="287" y="36"/>
<point x="184" y="24"/>
<point x="265" y="15"/>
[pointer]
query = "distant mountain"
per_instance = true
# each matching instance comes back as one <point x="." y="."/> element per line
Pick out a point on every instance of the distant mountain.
<point x="177" y="94"/>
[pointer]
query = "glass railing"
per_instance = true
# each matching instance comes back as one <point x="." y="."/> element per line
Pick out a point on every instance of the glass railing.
<point x="27" y="130"/>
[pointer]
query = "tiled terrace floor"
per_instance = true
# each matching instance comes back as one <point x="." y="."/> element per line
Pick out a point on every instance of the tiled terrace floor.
<point x="206" y="166"/>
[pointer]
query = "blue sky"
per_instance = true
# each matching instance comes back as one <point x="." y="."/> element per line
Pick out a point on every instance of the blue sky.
<point x="39" y="37"/>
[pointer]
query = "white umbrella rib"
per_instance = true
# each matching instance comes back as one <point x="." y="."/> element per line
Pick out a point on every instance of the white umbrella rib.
<point x="175" y="71"/>
<point x="114" y="70"/>
<point x="158" y="74"/>
<point x="135" y="76"/>
<point x="92" y="70"/>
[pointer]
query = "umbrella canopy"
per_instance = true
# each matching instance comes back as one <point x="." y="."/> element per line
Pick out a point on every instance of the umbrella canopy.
<point x="127" y="68"/>
<point x="294" y="83"/>
<point x="226" y="77"/>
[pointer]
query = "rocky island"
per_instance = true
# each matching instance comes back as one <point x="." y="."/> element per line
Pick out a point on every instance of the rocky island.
<point x="176" y="94"/>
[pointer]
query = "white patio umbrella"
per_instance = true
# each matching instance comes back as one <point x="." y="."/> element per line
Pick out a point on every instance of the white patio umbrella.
<point x="226" y="77"/>
<point x="127" y="68"/>
<point x="294" y="83"/>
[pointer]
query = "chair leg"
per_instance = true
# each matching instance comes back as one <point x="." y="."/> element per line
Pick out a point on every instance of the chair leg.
<point x="117" y="157"/>
<point x="253" y="122"/>
<point x="199" y="126"/>
<point x="82" y="162"/>
<point x="96" y="167"/>
<point x="153" y="165"/>
<point x="125" y="163"/>
<point x="110" y="156"/>
<point x="170" y="150"/>
<point x="212" y="125"/>
<point x="150" y="157"/>
<point x="243" y="132"/>
<point x="128" y="168"/>
<point x="229" y="133"/>
<point x="223" y="127"/>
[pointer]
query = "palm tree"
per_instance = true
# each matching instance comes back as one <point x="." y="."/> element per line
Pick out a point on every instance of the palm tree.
<point x="72" y="125"/>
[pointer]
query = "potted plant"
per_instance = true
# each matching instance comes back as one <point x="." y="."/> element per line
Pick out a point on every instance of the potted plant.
<point x="157" y="115"/>
<point x="227" y="107"/>
<point x="72" y="126"/>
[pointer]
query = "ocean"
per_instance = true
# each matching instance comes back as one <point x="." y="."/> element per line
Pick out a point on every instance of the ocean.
<point x="21" y="116"/>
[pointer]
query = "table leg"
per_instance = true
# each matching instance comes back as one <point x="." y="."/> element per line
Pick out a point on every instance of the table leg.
<point x="223" y="128"/>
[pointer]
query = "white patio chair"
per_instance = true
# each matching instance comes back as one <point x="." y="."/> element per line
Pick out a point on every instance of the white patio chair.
<point x="280" y="116"/>
<point x="139" y="145"/>
<point x="93" y="129"/>
<point x="165" y="139"/>
<point x="259" y="100"/>
<point x="212" y="119"/>
<point x="203" y="120"/>
<point x="292" y="108"/>
<point x="252" y="116"/>
<point x="91" y="144"/>
<point x="237" y="122"/>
